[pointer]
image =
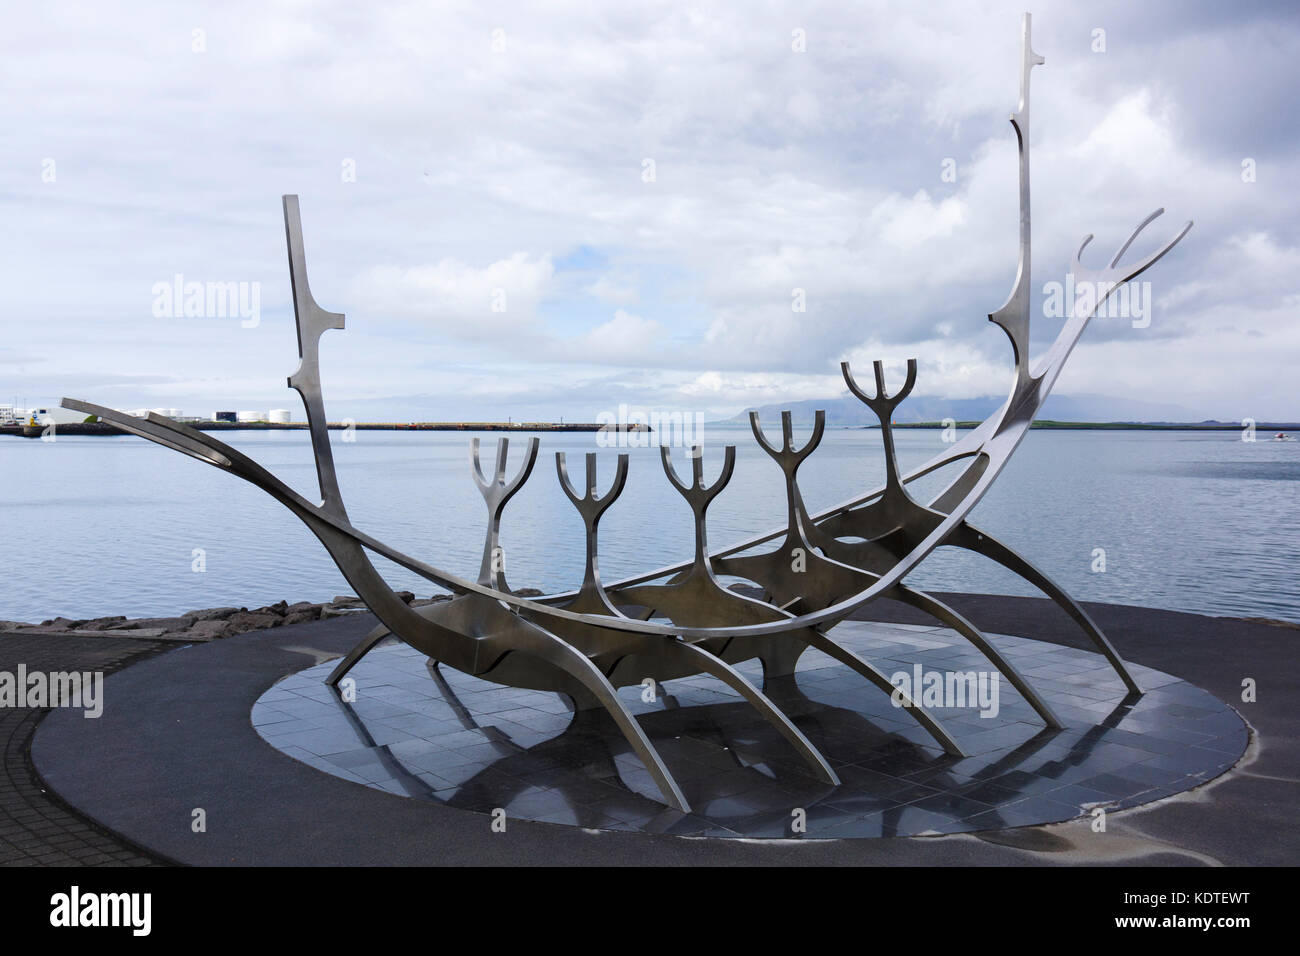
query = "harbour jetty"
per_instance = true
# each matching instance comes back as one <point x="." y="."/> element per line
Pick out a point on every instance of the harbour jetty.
<point x="103" y="428"/>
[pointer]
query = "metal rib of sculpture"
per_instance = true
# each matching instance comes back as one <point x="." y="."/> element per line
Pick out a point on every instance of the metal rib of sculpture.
<point x="586" y="643"/>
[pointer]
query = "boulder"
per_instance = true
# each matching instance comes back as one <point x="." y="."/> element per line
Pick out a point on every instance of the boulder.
<point x="152" y="623"/>
<point x="213" y="613"/>
<point x="141" y="633"/>
<point x="102" y="623"/>
<point x="64" y="623"/>
<point x="252" y="621"/>
<point x="209" y="630"/>
<point x="331" y="610"/>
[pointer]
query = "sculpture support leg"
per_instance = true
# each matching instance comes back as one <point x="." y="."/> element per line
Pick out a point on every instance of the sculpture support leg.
<point x="580" y="667"/>
<point x="969" y="538"/>
<point x="781" y="657"/>
<point x="845" y="656"/>
<point x="940" y="611"/>
<point x="353" y="656"/>
<point x="520" y="636"/>
<point x="724" y="672"/>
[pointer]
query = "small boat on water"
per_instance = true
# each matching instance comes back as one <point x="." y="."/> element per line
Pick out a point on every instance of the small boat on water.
<point x="1282" y="436"/>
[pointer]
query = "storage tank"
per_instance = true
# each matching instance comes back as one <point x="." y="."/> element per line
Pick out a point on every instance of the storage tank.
<point x="281" y="416"/>
<point x="250" y="416"/>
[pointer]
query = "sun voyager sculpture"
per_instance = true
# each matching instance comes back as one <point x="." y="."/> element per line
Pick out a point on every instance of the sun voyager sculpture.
<point x="680" y="620"/>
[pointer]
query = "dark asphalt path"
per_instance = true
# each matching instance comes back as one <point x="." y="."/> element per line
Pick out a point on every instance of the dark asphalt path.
<point x="138" y="769"/>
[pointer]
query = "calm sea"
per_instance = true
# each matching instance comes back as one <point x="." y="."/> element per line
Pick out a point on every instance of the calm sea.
<point x="1193" y="521"/>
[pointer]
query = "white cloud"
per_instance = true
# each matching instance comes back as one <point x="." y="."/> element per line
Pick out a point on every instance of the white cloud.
<point x="909" y="223"/>
<point x="614" y="290"/>
<point x="460" y="300"/>
<point x="624" y="340"/>
<point x="479" y="170"/>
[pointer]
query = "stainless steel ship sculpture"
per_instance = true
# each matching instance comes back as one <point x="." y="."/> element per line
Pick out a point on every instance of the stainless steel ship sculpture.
<point x="679" y="620"/>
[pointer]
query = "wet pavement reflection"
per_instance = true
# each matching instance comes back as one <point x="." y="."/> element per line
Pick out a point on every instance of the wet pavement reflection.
<point x="431" y="733"/>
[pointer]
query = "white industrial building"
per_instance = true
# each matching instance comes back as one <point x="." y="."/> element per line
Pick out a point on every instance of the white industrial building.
<point x="49" y="415"/>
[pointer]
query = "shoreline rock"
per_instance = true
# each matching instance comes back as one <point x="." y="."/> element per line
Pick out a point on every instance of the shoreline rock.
<point x="206" y="624"/>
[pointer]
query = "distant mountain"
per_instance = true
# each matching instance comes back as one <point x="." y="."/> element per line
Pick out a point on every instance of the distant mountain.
<point x="847" y="410"/>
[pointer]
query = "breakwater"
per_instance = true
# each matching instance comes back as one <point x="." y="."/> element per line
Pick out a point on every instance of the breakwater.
<point x="103" y="428"/>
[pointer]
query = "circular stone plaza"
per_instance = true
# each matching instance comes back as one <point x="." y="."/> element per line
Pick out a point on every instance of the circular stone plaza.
<point x="409" y="763"/>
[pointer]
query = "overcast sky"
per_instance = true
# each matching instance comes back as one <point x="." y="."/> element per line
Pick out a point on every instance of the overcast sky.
<point x="505" y="147"/>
